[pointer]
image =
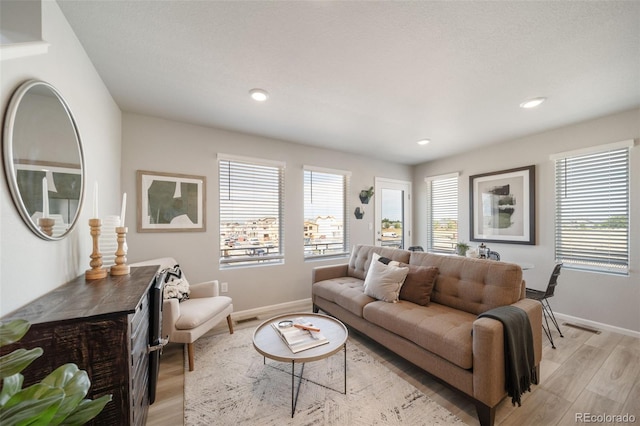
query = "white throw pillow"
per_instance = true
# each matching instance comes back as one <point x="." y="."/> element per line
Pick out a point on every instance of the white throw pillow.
<point x="384" y="282"/>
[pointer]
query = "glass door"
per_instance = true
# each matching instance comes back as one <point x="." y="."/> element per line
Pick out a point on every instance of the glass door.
<point x="393" y="213"/>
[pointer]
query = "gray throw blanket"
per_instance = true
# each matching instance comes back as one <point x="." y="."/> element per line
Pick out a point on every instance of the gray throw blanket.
<point x="519" y="358"/>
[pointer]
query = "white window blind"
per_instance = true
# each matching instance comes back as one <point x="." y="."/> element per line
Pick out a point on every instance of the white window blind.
<point x="442" y="213"/>
<point x="251" y="211"/>
<point x="326" y="224"/>
<point x="592" y="210"/>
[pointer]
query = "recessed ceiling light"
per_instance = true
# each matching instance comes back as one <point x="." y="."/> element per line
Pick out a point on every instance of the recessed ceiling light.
<point x="423" y="141"/>
<point x="532" y="103"/>
<point x="259" y="95"/>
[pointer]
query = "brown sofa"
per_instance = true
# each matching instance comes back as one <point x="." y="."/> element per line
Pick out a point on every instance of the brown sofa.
<point x="445" y="337"/>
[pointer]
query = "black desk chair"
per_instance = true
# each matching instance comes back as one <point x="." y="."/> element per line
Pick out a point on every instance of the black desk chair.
<point x="542" y="296"/>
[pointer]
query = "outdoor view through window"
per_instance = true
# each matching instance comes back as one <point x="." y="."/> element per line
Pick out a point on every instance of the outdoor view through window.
<point x="324" y="213"/>
<point x="251" y="211"/>
<point x="392" y="212"/>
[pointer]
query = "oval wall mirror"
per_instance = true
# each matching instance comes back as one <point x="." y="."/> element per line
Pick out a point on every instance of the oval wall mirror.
<point x="43" y="159"/>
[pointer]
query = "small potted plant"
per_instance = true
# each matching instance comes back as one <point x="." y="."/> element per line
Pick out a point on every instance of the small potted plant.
<point x="462" y="248"/>
<point x="365" y="195"/>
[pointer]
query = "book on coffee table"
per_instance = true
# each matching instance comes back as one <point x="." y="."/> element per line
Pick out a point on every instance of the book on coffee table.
<point x="299" y="334"/>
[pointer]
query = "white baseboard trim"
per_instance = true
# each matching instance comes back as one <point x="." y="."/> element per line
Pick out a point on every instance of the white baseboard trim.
<point x="597" y="325"/>
<point x="272" y="310"/>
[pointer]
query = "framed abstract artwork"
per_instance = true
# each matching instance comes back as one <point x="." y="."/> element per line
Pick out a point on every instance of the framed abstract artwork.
<point x="170" y="202"/>
<point x="502" y="206"/>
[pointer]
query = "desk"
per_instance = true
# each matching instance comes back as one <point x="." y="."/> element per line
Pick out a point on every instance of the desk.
<point x="523" y="265"/>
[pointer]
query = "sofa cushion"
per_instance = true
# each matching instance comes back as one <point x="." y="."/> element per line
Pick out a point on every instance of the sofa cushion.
<point x="347" y="292"/>
<point x="362" y="255"/>
<point x="472" y="285"/>
<point x="383" y="282"/>
<point x="419" y="284"/>
<point x="439" y="329"/>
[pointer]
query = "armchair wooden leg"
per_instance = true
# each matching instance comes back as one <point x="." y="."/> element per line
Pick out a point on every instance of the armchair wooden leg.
<point x="190" y="354"/>
<point x="230" y="323"/>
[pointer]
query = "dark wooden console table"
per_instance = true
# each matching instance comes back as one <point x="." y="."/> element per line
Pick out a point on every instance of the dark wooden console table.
<point x="103" y="327"/>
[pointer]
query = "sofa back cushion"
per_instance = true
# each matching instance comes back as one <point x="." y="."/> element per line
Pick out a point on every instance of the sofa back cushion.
<point x="472" y="285"/>
<point x="361" y="257"/>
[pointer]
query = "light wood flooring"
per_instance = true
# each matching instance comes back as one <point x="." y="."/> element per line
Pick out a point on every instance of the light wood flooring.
<point x="587" y="373"/>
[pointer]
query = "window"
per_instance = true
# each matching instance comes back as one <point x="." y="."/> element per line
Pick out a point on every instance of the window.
<point x="251" y="211"/>
<point x="592" y="208"/>
<point x="442" y="213"/>
<point x="325" y="212"/>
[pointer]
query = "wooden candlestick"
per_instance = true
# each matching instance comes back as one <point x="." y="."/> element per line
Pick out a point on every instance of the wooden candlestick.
<point x="121" y="267"/>
<point x="97" y="271"/>
<point x="46" y="225"/>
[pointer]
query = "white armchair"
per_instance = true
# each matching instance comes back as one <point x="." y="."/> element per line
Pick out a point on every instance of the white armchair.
<point x="184" y="322"/>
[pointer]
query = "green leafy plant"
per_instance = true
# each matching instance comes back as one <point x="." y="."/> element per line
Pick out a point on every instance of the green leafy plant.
<point x="462" y="248"/>
<point x="57" y="400"/>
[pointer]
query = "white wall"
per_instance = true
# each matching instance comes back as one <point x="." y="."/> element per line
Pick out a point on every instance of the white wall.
<point x="160" y="145"/>
<point x="601" y="298"/>
<point x="29" y="266"/>
<point x="20" y="21"/>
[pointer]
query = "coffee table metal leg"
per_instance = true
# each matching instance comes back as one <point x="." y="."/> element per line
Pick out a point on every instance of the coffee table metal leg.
<point x="294" y="402"/>
<point x="345" y="368"/>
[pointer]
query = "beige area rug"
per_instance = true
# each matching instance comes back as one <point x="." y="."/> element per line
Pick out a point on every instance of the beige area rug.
<point x="232" y="386"/>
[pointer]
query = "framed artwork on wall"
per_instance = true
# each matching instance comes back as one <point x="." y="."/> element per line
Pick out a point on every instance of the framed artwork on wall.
<point x="170" y="202"/>
<point x="502" y="206"/>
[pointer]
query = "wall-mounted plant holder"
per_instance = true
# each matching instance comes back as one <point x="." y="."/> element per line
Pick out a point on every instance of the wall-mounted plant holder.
<point x="359" y="213"/>
<point x="365" y="195"/>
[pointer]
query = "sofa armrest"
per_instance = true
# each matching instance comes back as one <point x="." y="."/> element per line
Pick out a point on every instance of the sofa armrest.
<point x="205" y="289"/>
<point x="488" y="352"/>
<point x="321" y="273"/>
<point x="533" y="308"/>
<point x="488" y="361"/>
<point x="170" y="314"/>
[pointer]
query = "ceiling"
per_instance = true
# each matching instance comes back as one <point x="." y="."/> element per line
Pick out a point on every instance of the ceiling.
<point x="365" y="77"/>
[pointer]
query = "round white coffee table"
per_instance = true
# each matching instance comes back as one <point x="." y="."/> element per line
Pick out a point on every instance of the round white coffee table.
<point x="270" y="345"/>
